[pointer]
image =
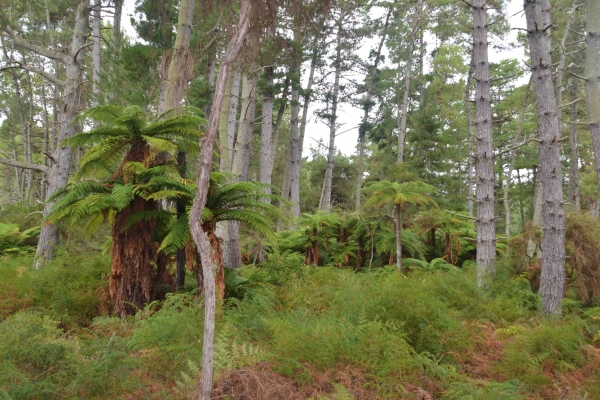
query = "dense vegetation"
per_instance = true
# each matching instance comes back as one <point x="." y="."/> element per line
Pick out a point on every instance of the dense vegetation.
<point x="163" y="233"/>
<point x="292" y="330"/>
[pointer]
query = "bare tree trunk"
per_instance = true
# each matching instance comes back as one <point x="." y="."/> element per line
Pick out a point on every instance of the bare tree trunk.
<point x="365" y="120"/>
<point x="552" y="279"/>
<point x="592" y="75"/>
<point x="563" y="54"/>
<point x="295" y="145"/>
<point x="46" y="142"/>
<point x="325" y="202"/>
<point x="574" y="197"/>
<point x="308" y="93"/>
<point x="180" y="67"/>
<point x="280" y="112"/>
<point x="511" y="166"/>
<point x="398" y="228"/>
<point x="59" y="170"/>
<point x="537" y="215"/>
<point x="486" y="220"/>
<point x="116" y="35"/>
<point x="266" y="144"/>
<point x="407" y="80"/>
<point x="236" y="79"/>
<point x="96" y="19"/>
<point x="471" y="156"/>
<point x="225" y="160"/>
<point x="243" y="143"/>
<point x="203" y="181"/>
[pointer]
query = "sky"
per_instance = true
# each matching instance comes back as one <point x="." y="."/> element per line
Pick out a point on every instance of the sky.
<point x="350" y="116"/>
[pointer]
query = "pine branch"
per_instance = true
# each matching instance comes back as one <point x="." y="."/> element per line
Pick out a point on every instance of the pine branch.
<point x="60" y="83"/>
<point x="19" y="41"/>
<point x="25" y="165"/>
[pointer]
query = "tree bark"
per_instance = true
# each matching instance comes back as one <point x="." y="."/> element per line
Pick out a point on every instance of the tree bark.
<point x="552" y="281"/>
<point x="236" y="79"/>
<point x="243" y="144"/>
<point x="180" y="66"/>
<point x="295" y="144"/>
<point x="116" y="35"/>
<point x="471" y="156"/>
<point x="574" y="194"/>
<point x="486" y="221"/>
<point x="96" y="19"/>
<point x="592" y="75"/>
<point x="71" y="104"/>
<point x="365" y="120"/>
<point x="511" y="166"/>
<point x="203" y="182"/>
<point x="403" y="111"/>
<point x="224" y="159"/>
<point x="266" y="144"/>
<point x="325" y="203"/>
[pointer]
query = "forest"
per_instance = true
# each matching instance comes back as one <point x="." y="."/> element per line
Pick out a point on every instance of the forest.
<point x="300" y="199"/>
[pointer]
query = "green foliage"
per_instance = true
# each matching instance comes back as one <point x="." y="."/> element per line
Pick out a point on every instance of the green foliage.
<point x="555" y="345"/>
<point x="482" y="390"/>
<point x="72" y="289"/>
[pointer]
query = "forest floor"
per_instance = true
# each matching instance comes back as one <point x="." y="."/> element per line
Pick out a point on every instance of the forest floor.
<point x="287" y="331"/>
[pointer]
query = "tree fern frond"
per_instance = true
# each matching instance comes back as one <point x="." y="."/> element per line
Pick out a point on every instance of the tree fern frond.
<point x="110" y="150"/>
<point x="94" y="136"/>
<point x="178" y="234"/>
<point x="133" y="117"/>
<point x="96" y="168"/>
<point x="160" y="145"/>
<point x="121" y="196"/>
<point x="107" y="114"/>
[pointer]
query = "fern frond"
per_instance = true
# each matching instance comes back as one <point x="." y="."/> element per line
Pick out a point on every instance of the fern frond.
<point x="160" y="145"/>
<point x="110" y="150"/>
<point x="178" y="234"/>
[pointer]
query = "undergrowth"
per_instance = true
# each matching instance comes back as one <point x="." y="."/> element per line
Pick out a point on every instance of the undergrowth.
<point x="320" y="332"/>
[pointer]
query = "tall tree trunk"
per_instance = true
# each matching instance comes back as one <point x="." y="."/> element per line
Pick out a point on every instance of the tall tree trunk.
<point x="486" y="220"/>
<point x="592" y="75"/>
<point x="200" y="237"/>
<point x="471" y="156"/>
<point x="71" y="104"/>
<point x="266" y="144"/>
<point x="225" y="160"/>
<point x="574" y="197"/>
<point x="325" y="202"/>
<point x="116" y="34"/>
<point x="241" y="163"/>
<point x="407" y="80"/>
<point x="513" y="155"/>
<point x="96" y="19"/>
<point x="180" y="65"/>
<point x="536" y="222"/>
<point x="236" y="79"/>
<point x="243" y="144"/>
<point x="46" y="142"/>
<point x="365" y="120"/>
<point x="563" y="55"/>
<point x="308" y="93"/>
<point x="280" y="112"/>
<point x="398" y="227"/>
<point x="552" y="279"/>
<point x="295" y="144"/>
